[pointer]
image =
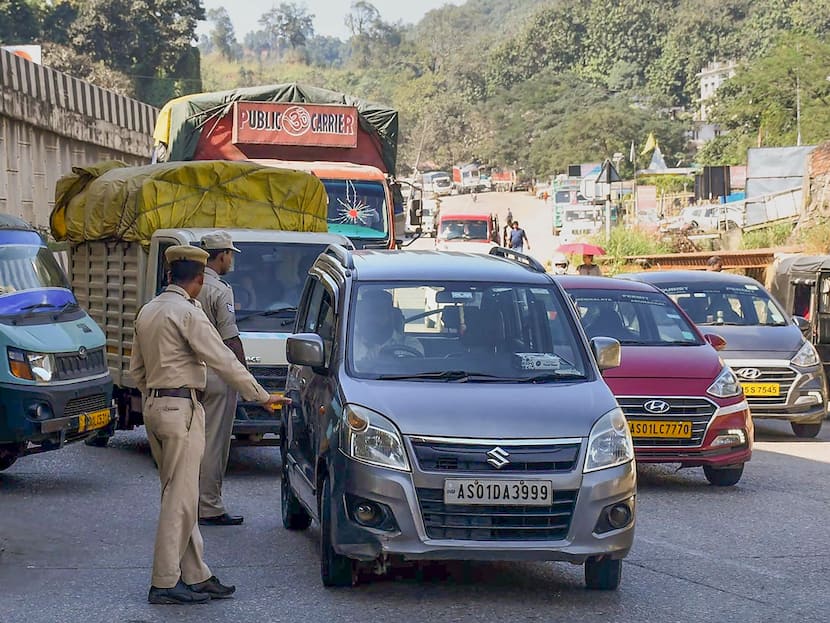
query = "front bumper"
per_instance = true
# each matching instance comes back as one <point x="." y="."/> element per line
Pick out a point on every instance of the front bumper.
<point x="731" y="417"/>
<point x="409" y="540"/>
<point x="78" y="410"/>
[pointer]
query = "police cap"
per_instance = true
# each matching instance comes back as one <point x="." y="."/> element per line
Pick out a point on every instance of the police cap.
<point x="218" y="240"/>
<point x="185" y="252"/>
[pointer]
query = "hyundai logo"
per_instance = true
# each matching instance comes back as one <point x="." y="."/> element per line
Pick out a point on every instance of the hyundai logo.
<point x="82" y="352"/>
<point x="749" y="374"/>
<point x="498" y="457"/>
<point x="657" y="406"/>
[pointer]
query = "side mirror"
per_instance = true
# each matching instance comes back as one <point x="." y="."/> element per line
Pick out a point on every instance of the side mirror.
<point x="305" y="349"/>
<point x="804" y="326"/>
<point x="715" y="341"/>
<point x="607" y="352"/>
<point x="415" y="212"/>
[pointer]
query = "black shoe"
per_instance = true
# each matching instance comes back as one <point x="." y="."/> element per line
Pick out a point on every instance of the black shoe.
<point x="221" y="520"/>
<point x="213" y="588"/>
<point x="181" y="594"/>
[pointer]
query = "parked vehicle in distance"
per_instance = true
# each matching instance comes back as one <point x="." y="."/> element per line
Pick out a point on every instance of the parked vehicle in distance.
<point x="707" y="218"/>
<point x="54" y="386"/>
<point x="521" y="452"/>
<point x="469" y="233"/>
<point x="779" y="369"/>
<point x="466" y="178"/>
<point x="683" y="405"/>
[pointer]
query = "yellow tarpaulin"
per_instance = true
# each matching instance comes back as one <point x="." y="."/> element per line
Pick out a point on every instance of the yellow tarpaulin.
<point x="110" y="200"/>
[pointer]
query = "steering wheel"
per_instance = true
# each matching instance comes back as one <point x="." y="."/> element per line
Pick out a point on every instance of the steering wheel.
<point x="400" y="350"/>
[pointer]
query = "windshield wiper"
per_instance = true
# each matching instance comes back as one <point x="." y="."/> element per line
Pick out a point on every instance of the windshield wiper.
<point x="549" y="376"/>
<point x="461" y="376"/>
<point x="266" y="313"/>
<point x="37" y="306"/>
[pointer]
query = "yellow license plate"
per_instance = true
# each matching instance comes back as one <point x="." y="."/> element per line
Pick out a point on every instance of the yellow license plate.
<point x="91" y="421"/>
<point x="761" y="389"/>
<point x="660" y="429"/>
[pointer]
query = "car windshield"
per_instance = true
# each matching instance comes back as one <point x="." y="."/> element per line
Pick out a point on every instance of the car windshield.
<point x="463" y="230"/>
<point x="357" y="209"/>
<point x="482" y="332"/>
<point x="634" y="318"/>
<point x="267" y="281"/>
<point x="712" y="303"/>
<point x="28" y="267"/>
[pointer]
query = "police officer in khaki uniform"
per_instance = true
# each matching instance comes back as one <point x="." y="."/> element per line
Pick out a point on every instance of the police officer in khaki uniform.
<point x="219" y="400"/>
<point x="173" y="342"/>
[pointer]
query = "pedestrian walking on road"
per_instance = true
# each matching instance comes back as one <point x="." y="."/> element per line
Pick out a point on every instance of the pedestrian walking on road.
<point x="518" y="238"/>
<point x="219" y="399"/>
<point x="588" y="267"/>
<point x="173" y="342"/>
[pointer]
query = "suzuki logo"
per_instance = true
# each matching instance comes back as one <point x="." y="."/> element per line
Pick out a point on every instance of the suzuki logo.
<point x="749" y="374"/>
<point x="498" y="457"/>
<point x="656" y="406"/>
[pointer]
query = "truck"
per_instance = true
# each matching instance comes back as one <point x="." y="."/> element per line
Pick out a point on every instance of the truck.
<point x="468" y="233"/>
<point x="350" y="144"/>
<point x="465" y="178"/>
<point x="117" y="258"/>
<point x="54" y="385"/>
<point x="436" y="183"/>
<point x="503" y="180"/>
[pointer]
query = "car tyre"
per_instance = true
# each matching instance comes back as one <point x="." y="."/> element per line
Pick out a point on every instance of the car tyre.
<point x="294" y="515"/>
<point x="723" y="477"/>
<point x="603" y="574"/>
<point x="806" y="431"/>
<point x="335" y="569"/>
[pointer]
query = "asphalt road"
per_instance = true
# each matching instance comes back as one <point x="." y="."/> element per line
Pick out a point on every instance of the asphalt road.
<point x="77" y="525"/>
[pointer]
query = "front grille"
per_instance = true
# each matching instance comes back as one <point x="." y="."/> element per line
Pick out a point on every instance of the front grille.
<point x="785" y="377"/>
<point x="70" y="366"/>
<point x="461" y="457"/>
<point x="496" y="523"/>
<point x="272" y="378"/>
<point x="85" y="404"/>
<point x="698" y="411"/>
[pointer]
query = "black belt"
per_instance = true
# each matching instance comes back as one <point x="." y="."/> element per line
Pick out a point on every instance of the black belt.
<point x="180" y="392"/>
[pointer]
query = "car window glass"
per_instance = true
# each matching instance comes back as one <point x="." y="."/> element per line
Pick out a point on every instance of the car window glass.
<point x="326" y="323"/>
<point x="725" y="303"/>
<point x="312" y="314"/>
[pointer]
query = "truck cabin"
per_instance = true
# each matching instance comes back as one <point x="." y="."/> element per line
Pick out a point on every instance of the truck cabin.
<point x="468" y="228"/>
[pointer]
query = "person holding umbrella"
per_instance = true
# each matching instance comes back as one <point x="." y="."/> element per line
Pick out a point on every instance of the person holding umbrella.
<point x="588" y="267"/>
<point x="588" y="251"/>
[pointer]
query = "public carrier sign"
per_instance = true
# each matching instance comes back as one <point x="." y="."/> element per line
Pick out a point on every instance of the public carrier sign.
<point x="315" y="125"/>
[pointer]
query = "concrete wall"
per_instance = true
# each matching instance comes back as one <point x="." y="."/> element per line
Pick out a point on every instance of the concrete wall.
<point x="50" y="122"/>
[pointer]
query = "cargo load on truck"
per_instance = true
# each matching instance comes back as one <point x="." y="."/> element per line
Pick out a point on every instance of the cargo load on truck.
<point x="111" y="201"/>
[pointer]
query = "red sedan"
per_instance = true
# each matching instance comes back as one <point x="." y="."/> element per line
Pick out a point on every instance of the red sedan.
<point x="683" y="405"/>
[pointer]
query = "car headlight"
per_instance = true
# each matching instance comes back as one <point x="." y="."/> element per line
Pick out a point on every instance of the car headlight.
<point x="806" y="356"/>
<point x="369" y="437"/>
<point x="726" y="385"/>
<point x="610" y="442"/>
<point x="31" y="366"/>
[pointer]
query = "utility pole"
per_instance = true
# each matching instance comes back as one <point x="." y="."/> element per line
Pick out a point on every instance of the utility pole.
<point x="798" y="107"/>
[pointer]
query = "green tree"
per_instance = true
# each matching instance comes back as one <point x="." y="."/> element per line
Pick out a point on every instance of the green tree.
<point x="288" y="26"/>
<point x="19" y="22"/>
<point x="222" y="36"/>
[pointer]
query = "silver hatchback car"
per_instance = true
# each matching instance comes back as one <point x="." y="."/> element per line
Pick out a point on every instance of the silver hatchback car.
<point x="448" y="406"/>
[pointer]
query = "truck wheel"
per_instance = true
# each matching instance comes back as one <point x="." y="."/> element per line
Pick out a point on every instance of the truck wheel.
<point x="723" y="477"/>
<point x="294" y="516"/>
<point x="335" y="570"/>
<point x="806" y="431"/>
<point x="603" y="574"/>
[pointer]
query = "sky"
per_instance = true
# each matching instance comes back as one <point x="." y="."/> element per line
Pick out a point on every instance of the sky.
<point x="329" y="14"/>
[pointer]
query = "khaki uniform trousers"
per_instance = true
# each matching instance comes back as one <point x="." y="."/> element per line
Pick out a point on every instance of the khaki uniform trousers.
<point x="219" y="402"/>
<point x="176" y="431"/>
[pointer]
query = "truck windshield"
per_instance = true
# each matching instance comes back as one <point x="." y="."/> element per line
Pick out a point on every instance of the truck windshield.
<point x="267" y="281"/>
<point x="635" y="318"/>
<point x="713" y="303"/>
<point x="456" y="331"/>
<point x="357" y="209"/>
<point x="28" y="267"/>
<point x="460" y="229"/>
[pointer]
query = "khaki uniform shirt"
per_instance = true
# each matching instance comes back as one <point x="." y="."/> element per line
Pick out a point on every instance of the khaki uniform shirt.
<point x="173" y="342"/>
<point x="216" y="298"/>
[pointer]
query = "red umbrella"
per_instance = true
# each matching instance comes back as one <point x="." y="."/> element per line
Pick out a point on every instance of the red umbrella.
<point x="580" y="248"/>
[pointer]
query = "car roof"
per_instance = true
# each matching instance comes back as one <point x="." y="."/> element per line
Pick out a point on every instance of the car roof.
<point x="579" y="282"/>
<point x="371" y="265"/>
<point x="658" y="277"/>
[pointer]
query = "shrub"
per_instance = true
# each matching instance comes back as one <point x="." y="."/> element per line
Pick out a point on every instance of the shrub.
<point x="627" y="242"/>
